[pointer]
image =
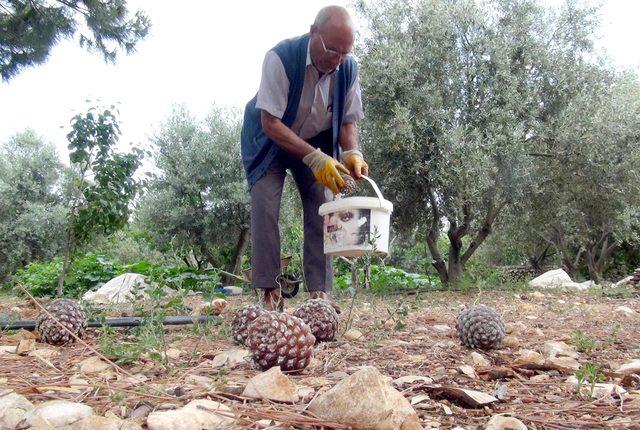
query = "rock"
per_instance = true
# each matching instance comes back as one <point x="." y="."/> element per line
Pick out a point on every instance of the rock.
<point x="527" y="358"/>
<point x="553" y="348"/>
<point x="25" y="346"/>
<point x="365" y="400"/>
<point x="231" y="358"/>
<point x="272" y="385"/>
<point x="174" y="353"/>
<point x="93" y="365"/>
<point x="627" y="311"/>
<point x="123" y="288"/>
<point x="19" y="335"/>
<point x="623" y="282"/>
<point x="56" y="413"/>
<point x="468" y="370"/>
<point x="7" y="349"/>
<point x="352" y="334"/>
<point x="232" y="290"/>
<point x="538" y="295"/>
<point x="44" y="353"/>
<point x="305" y="392"/>
<point x="103" y="423"/>
<point x="197" y="414"/>
<point x="479" y="360"/>
<point x="511" y="342"/>
<point x="411" y="379"/>
<point x="540" y="378"/>
<point x="13" y="407"/>
<point x="199" y="380"/>
<point x="632" y="367"/>
<point x="500" y="422"/>
<point x="515" y="328"/>
<point x="550" y="279"/>
<point x="441" y="328"/>
<point x="580" y="286"/>
<point x="563" y="363"/>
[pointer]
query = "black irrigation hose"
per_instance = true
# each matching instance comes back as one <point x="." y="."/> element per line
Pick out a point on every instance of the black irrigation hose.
<point x="115" y="322"/>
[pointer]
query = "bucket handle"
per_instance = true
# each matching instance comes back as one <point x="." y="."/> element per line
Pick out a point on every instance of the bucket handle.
<point x="375" y="188"/>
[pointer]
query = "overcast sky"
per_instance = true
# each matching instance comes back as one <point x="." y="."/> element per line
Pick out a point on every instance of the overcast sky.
<point x="198" y="53"/>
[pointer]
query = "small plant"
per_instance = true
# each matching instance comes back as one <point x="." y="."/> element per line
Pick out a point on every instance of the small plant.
<point x="589" y="373"/>
<point x="583" y="342"/>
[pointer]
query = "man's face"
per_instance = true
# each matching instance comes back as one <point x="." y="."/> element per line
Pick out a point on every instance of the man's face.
<point x="330" y="48"/>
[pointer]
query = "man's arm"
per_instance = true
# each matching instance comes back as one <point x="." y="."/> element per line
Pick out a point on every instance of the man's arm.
<point x="282" y="135"/>
<point x="349" y="136"/>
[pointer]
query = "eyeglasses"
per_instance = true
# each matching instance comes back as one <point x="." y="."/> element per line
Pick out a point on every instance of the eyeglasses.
<point x="333" y="53"/>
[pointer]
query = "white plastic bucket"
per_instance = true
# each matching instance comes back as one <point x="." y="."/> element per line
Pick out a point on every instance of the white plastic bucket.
<point x="354" y="226"/>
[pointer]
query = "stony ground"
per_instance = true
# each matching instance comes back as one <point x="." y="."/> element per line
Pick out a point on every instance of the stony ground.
<point x="409" y="338"/>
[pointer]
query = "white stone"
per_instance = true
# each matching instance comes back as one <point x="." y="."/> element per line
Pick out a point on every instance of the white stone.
<point x="554" y="348"/>
<point x="625" y="310"/>
<point x="366" y="400"/>
<point x="479" y="360"/>
<point x="500" y="422"/>
<point x="580" y="286"/>
<point x="198" y="414"/>
<point x="57" y="413"/>
<point x="441" y="328"/>
<point x="231" y="358"/>
<point x="623" y="282"/>
<point x="93" y="365"/>
<point x="13" y="406"/>
<point x="272" y="385"/>
<point x="352" y="334"/>
<point x="550" y="279"/>
<point x="411" y="379"/>
<point x="632" y="367"/>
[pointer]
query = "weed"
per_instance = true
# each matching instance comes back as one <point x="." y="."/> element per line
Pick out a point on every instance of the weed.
<point x="582" y="342"/>
<point x="589" y="373"/>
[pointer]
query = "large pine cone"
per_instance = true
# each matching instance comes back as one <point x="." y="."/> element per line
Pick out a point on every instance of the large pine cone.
<point x="66" y="311"/>
<point x="480" y="327"/>
<point x="321" y="318"/>
<point x="279" y="339"/>
<point x="241" y="321"/>
<point x="634" y="282"/>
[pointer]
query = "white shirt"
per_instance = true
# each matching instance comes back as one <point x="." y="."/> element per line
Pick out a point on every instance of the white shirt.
<point x="316" y="100"/>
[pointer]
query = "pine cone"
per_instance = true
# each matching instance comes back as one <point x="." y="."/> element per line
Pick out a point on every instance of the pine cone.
<point x="279" y="339"/>
<point x="480" y="327"/>
<point x="241" y="321"/>
<point x="350" y="185"/>
<point x="634" y="282"/>
<point x="66" y="311"/>
<point x="321" y="318"/>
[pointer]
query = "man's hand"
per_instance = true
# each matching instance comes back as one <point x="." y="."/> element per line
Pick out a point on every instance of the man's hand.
<point x="354" y="161"/>
<point x="326" y="170"/>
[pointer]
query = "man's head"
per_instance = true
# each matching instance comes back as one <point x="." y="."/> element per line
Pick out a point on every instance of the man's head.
<point x="331" y="38"/>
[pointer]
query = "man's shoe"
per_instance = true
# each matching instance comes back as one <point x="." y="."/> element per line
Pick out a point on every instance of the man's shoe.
<point x="273" y="300"/>
<point x="326" y="296"/>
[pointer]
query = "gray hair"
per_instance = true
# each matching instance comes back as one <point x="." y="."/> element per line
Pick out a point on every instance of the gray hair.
<point x="328" y="12"/>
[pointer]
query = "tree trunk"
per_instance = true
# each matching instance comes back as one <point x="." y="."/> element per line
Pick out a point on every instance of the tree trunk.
<point x="432" y="239"/>
<point x="65" y="265"/>
<point x="597" y="255"/>
<point x="238" y="252"/>
<point x="208" y="255"/>
<point x="455" y="266"/>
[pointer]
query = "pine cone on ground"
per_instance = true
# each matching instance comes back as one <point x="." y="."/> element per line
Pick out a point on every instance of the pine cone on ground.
<point x="66" y="311"/>
<point x="279" y="339"/>
<point x="480" y="327"/>
<point x="321" y="318"/>
<point x="241" y="321"/>
<point x="634" y="282"/>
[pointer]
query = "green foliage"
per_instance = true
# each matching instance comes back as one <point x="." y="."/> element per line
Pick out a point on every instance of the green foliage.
<point x="85" y="273"/>
<point x="30" y="29"/>
<point x="388" y="278"/>
<point x="198" y="201"/>
<point x="582" y="342"/>
<point x="591" y="374"/>
<point x="32" y="211"/>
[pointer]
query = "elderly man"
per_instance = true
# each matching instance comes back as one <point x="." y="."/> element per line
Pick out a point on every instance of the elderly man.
<point x="303" y="119"/>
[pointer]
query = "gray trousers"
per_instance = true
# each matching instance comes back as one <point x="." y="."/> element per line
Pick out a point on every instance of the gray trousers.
<point x="265" y="233"/>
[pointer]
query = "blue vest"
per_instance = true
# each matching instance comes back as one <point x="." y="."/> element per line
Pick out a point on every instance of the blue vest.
<point x="258" y="151"/>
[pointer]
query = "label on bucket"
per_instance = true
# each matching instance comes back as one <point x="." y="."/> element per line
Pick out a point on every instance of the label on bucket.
<point x="346" y="228"/>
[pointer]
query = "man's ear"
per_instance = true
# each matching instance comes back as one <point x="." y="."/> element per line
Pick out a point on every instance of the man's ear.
<point x="313" y="29"/>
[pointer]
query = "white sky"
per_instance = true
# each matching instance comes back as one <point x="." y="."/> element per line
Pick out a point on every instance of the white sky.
<point x="198" y="53"/>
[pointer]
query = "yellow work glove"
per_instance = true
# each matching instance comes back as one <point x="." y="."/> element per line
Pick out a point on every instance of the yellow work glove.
<point x="326" y="170"/>
<point x="354" y="161"/>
